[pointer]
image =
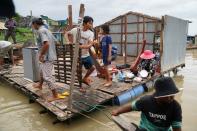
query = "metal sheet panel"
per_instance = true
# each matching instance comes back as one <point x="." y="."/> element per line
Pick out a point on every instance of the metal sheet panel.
<point x="116" y="37"/>
<point x="140" y="37"/>
<point x="141" y="19"/>
<point x="131" y="27"/>
<point x="149" y="37"/>
<point x="115" y="28"/>
<point x="131" y="49"/>
<point x="132" y="38"/>
<point x="174" y="42"/>
<point x="131" y="18"/>
<point x="150" y="27"/>
<point x="141" y="27"/>
<point x="147" y="47"/>
<point x="116" y="22"/>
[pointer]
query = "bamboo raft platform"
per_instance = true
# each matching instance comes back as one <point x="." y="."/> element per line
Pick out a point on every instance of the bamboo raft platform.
<point x="97" y="94"/>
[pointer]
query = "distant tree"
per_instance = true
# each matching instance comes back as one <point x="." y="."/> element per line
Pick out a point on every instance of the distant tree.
<point x="17" y="17"/>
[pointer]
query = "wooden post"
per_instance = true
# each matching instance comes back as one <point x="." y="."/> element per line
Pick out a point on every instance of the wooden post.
<point x="161" y="39"/>
<point x="125" y="42"/>
<point x="70" y="20"/>
<point x="143" y="28"/>
<point x="76" y="55"/>
<point x="121" y="42"/>
<point x="137" y="35"/>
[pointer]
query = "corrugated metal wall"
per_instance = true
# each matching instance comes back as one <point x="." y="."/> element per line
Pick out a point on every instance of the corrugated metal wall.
<point x="174" y="42"/>
<point x="133" y="28"/>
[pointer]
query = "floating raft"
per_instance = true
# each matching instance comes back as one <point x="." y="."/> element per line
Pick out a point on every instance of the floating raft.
<point x="191" y="47"/>
<point x="96" y="94"/>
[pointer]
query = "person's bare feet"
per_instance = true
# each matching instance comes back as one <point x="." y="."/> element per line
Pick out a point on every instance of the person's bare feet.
<point x="108" y="84"/>
<point x="53" y="99"/>
<point x="86" y="81"/>
<point x="82" y="90"/>
<point x="37" y="85"/>
<point x="89" y="80"/>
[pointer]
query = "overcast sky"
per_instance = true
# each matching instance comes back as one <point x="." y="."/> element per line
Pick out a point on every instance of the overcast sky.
<point x="104" y="10"/>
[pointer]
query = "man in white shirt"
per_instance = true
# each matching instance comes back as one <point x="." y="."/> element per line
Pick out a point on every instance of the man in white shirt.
<point x="86" y="43"/>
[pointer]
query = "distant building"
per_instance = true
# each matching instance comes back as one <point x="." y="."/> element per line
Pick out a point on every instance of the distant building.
<point x="190" y="39"/>
<point x="24" y="21"/>
<point x="2" y="28"/>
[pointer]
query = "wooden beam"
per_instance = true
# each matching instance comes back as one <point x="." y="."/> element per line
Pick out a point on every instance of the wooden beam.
<point x="121" y="50"/>
<point x="144" y="28"/>
<point x="76" y="55"/>
<point x="161" y="40"/>
<point x="70" y="20"/>
<point x="137" y="35"/>
<point x="140" y="22"/>
<point x="125" y="42"/>
<point x="133" y="32"/>
<point x="123" y="124"/>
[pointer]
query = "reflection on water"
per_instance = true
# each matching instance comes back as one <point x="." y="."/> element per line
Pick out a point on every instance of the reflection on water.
<point x="17" y="114"/>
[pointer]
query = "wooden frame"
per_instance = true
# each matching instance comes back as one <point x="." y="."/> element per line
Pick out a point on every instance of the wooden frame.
<point x="123" y="22"/>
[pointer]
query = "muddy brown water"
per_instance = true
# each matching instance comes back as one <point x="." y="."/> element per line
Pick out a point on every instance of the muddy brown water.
<point x="16" y="114"/>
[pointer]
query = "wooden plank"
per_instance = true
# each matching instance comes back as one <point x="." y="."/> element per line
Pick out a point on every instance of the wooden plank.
<point x="76" y="54"/>
<point x="63" y="69"/>
<point x="101" y="94"/>
<point x="70" y="21"/>
<point x="123" y="124"/>
<point x="135" y="22"/>
<point x="17" y="70"/>
<point x="85" y="100"/>
<point x="63" y="61"/>
<point x="20" y="81"/>
<point x="104" y="95"/>
<point x="117" y="88"/>
<point x="13" y="75"/>
<point x="96" y="63"/>
<point x="93" y="98"/>
<point x="61" y="104"/>
<point x="61" y="115"/>
<point x="150" y="32"/>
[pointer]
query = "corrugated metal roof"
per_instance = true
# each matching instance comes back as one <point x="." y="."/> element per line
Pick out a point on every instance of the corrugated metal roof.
<point x="133" y="13"/>
<point x="2" y="27"/>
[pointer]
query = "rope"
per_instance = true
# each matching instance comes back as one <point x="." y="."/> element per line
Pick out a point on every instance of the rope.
<point x="93" y="107"/>
<point x="95" y="120"/>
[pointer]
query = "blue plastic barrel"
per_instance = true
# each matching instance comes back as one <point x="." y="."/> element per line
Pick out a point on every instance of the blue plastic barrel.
<point x="123" y="98"/>
<point x="128" y="95"/>
<point x="138" y="90"/>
